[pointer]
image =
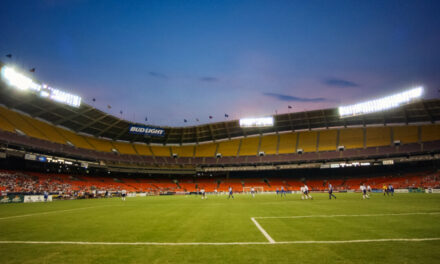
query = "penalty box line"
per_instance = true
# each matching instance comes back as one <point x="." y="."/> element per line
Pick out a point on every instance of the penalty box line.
<point x="299" y="242"/>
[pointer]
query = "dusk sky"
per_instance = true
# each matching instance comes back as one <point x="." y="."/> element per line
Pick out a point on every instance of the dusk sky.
<point x="176" y="60"/>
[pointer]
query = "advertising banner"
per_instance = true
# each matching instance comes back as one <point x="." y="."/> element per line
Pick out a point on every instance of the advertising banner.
<point x="36" y="198"/>
<point x="149" y="131"/>
<point x="12" y="198"/>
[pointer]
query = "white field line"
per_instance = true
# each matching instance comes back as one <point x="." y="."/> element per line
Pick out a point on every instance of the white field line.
<point x="50" y="212"/>
<point x="357" y="215"/>
<point x="268" y="237"/>
<point x="221" y="243"/>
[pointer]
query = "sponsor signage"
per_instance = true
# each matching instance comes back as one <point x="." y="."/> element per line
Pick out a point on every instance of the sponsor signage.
<point x="149" y="131"/>
<point x="36" y="198"/>
<point x="11" y="198"/>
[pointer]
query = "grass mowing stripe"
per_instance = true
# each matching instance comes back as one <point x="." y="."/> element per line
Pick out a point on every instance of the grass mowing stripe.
<point x="50" y="212"/>
<point x="345" y="215"/>
<point x="222" y="243"/>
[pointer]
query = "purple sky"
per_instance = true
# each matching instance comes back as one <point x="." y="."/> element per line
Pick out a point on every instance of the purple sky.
<point x="176" y="60"/>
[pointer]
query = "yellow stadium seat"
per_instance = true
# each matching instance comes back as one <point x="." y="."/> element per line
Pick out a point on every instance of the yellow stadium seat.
<point x="124" y="147"/>
<point x="19" y="122"/>
<point x="160" y="151"/>
<point x="269" y="144"/>
<point x="228" y="148"/>
<point x="183" y="151"/>
<point x="249" y="146"/>
<point x="378" y="136"/>
<point x="287" y="143"/>
<point x="100" y="144"/>
<point x="327" y="140"/>
<point x="406" y="134"/>
<point x="430" y="132"/>
<point x="351" y="138"/>
<point x="77" y="140"/>
<point x="6" y="125"/>
<point x="142" y="149"/>
<point x="307" y="141"/>
<point x="48" y="130"/>
<point x="206" y="150"/>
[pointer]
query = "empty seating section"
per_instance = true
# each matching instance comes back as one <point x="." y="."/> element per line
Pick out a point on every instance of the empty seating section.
<point x="327" y="140"/>
<point x="249" y="146"/>
<point x="269" y="144"/>
<point x="184" y="151"/>
<point x="100" y="144"/>
<point x="430" y="132"/>
<point x="287" y="143"/>
<point x="142" y="149"/>
<point x="160" y="151"/>
<point x="378" y="136"/>
<point x="228" y="148"/>
<point x="406" y="134"/>
<point x="5" y="124"/>
<point x="206" y="150"/>
<point x="124" y="147"/>
<point x="19" y="122"/>
<point x="307" y="141"/>
<point x="48" y="130"/>
<point x="77" y="140"/>
<point x="351" y="138"/>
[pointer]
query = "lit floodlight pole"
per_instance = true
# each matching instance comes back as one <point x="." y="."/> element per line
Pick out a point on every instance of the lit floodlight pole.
<point x="381" y="104"/>
<point x="256" y="122"/>
<point x="21" y="82"/>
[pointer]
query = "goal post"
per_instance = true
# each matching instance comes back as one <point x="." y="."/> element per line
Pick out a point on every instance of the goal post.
<point x="257" y="189"/>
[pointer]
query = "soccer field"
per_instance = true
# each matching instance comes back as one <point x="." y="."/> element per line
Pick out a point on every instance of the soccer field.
<point x="183" y="229"/>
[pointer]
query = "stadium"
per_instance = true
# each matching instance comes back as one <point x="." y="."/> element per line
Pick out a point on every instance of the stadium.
<point x="355" y="182"/>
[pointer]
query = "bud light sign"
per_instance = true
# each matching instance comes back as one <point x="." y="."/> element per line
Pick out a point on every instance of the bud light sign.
<point x="149" y="131"/>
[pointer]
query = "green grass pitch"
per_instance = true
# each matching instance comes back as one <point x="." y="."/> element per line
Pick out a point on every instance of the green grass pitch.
<point x="227" y="225"/>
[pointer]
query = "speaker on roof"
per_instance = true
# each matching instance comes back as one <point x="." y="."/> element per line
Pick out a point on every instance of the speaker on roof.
<point x="175" y="155"/>
<point x="341" y="148"/>
<point x="218" y="155"/>
<point x="396" y="142"/>
<point x="261" y="153"/>
<point x="299" y="151"/>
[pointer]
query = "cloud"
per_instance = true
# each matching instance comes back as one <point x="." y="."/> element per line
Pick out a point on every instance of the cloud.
<point x="289" y="98"/>
<point x="158" y="75"/>
<point x="209" y="79"/>
<point x="339" y="83"/>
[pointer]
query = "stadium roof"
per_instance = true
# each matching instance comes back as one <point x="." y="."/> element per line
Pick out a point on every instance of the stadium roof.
<point x="89" y="120"/>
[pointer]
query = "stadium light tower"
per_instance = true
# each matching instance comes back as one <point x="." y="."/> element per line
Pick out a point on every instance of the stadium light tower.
<point x="381" y="104"/>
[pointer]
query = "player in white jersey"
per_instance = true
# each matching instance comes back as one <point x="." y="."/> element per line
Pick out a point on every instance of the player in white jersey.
<point x="330" y="191"/>
<point x="253" y="192"/>
<point x="202" y="191"/>
<point x="282" y="191"/>
<point x="306" y="192"/>
<point x="303" y="195"/>
<point x="368" y="189"/>
<point x="124" y="194"/>
<point x="364" y="192"/>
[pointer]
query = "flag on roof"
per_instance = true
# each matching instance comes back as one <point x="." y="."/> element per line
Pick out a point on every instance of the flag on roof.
<point x="226" y="115"/>
<point x="109" y="106"/>
<point x="289" y="106"/>
<point x="9" y="55"/>
<point x="210" y="117"/>
<point x="146" y="118"/>
<point x="120" y="112"/>
<point x="94" y="99"/>
<point x="32" y="70"/>
<point x="184" y="120"/>
<point x="197" y="119"/>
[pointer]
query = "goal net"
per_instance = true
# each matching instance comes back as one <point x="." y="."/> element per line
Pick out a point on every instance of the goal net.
<point x="257" y="189"/>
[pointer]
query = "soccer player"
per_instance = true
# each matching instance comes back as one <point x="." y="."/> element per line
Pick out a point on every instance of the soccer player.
<point x="391" y="189"/>
<point x="46" y="195"/>
<point x="330" y="191"/>
<point x="283" y="192"/>
<point x="230" y="193"/>
<point x="364" y="191"/>
<point x="303" y="196"/>
<point x="306" y="192"/>
<point x="385" y="190"/>
<point x="369" y="189"/>
<point x="253" y="192"/>
<point x="202" y="191"/>
<point x="277" y="191"/>
<point x="124" y="193"/>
